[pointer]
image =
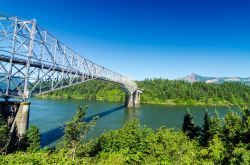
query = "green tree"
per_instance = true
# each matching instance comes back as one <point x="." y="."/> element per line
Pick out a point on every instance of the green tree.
<point x="232" y="130"/>
<point x="206" y="136"/>
<point x="246" y="125"/>
<point x="189" y="127"/>
<point x="215" y="125"/>
<point x="240" y="154"/>
<point x="136" y="144"/>
<point x="216" y="150"/>
<point x="75" y="131"/>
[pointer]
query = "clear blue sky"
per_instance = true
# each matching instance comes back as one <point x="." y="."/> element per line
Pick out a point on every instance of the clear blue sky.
<point x="149" y="38"/>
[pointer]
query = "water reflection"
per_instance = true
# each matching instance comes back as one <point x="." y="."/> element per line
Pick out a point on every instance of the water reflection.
<point x="131" y="113"/>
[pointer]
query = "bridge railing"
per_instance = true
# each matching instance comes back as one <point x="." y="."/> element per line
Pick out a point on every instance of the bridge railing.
<point x="34" y="61"/>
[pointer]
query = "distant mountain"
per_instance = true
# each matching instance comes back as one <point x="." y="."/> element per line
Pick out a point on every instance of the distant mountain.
<point x="197" y="78"/>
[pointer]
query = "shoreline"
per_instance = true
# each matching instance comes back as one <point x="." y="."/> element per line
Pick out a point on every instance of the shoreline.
<point x="167" y="103"/>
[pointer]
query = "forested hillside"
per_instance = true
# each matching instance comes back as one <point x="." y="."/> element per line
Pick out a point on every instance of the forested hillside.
<point x="161" y="91"/>
<point x="91" y="90"/>
<point x="180" y="92"/>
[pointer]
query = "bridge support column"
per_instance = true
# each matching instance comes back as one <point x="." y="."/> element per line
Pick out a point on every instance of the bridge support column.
<point x="133" y="100"/>
<point x="22" y="118"/>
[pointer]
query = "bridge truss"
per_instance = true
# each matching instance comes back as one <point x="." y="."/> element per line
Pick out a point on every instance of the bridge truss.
<point x="32" y="61"/>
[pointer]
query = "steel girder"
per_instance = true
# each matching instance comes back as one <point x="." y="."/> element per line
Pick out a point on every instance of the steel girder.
<point x="32" y="61"/>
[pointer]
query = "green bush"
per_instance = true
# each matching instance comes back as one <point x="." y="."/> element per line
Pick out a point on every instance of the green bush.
<point x="33" y="136"/>
<point x="141" y="145"/>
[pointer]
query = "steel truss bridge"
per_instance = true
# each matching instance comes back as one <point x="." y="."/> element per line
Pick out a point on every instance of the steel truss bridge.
<point x="33" y="61"/>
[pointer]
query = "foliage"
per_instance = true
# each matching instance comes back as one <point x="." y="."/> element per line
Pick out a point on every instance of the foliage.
<point x="240" y="154"/>
<point x="227" y="142"/>
<point x="141" y="145"/>
<point x="33" y="137"/>
<point x="215" y="152"/>
<point x="161" y="91"/>
<point x="91" y="90"/>
<point x="205" y="134"/>
<point x="215" y="125"/>
<point x="29" y="142"/>
<point x="189" y="127"/>
<point x="4" y="132"/>
<point x="183" y="93"/>
<point x="75" y="132"/>
<point x="40" y="158"/>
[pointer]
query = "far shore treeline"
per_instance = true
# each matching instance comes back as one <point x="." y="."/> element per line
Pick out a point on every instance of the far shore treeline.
<point x="162" y="91"/>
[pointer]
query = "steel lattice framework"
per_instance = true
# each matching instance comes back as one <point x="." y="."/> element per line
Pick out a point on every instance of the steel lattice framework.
<point x="32" y="61"/>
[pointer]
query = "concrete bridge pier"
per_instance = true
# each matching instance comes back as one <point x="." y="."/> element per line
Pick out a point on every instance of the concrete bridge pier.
<point x="17" y="116"/>
<point x="133" y="99"/>
<point x="22" y="118"/>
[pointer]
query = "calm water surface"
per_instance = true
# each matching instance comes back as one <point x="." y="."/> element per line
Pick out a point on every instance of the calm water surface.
<point x="50" y="115"/>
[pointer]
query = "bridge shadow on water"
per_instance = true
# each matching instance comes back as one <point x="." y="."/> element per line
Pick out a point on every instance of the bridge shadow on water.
<point x="56" y="133"/>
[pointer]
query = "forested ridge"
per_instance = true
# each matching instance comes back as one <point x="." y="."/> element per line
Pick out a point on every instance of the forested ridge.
<point x="162" y="91"/>
<point x="90" y="90"/>
<point x="180" y="92"/>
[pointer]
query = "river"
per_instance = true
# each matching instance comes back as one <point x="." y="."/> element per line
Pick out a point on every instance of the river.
<point x="51" y="114"/>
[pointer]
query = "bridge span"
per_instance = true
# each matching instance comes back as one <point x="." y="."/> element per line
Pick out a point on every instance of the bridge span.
<point x="33" y="61"/>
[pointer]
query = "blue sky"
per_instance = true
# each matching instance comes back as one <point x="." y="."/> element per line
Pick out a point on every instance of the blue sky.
<point x="149" y="38"/>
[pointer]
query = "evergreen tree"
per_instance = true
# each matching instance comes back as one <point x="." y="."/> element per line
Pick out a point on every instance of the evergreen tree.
<point x="206" y="137"/>
<point x="216" y="150"/>
<point x="215" y="125"/>
<point x="189" y="127"/>
<point x="246" y="125"/>
<point x="232" y="130"/>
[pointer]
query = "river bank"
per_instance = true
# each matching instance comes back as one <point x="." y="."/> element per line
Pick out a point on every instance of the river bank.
<point x="168" y="102"/>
